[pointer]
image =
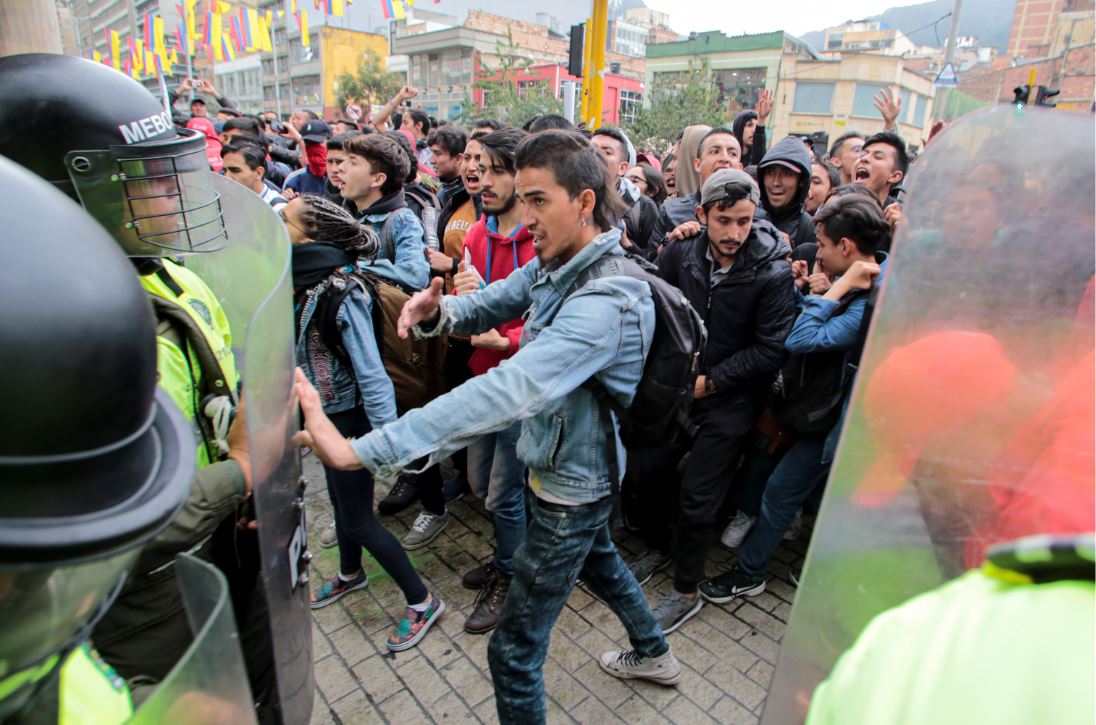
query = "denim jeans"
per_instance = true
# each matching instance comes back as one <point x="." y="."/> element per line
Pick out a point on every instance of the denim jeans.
<point x="562" y="542"/>
<point x="498" y="477"/>
<point x="799" y="472"/>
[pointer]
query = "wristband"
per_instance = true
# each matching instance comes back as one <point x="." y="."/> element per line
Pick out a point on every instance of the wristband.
<point x="456" y="264"/>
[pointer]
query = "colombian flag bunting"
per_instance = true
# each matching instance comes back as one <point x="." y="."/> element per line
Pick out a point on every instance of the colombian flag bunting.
<point x="207" y="40"/>
<point x="216" y="35"/>
<point x="386" y="8"/>
<point x="97" y="56"/>
<point x="146" y="30"/>
<point x="158" y="34"/>
<point x="292" y="7"/>
<point x="115" y="50"/>
<point x="227" y="50"/>
<point x="251" y="29"/>
<point x="236" y="34"/>
<point x="223" y="8"/>
<point x="297" y="17"/>
<point x="338" y="8"/>
<point x="397" y="7"/>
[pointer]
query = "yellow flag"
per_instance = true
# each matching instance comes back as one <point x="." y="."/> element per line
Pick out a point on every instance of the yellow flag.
<point x="397" y="9"/>
<point x="338" y="8"/>
<point x="292" y="7"/>
<point x="410" y="3"/>
<point x="215" y="35"/>
<point x="115" y="50"/>
<point x="139" y="56"/>
<point x="97" y="56"/>
<point x="150" y="62"/>
<point x="223" y="7"/>
<point x="253" y="29"/>
<point x="306" y="41"/>
<point x="158" y="34"/>
<point x="264" y="36"/>
<point x="270" y="18"/>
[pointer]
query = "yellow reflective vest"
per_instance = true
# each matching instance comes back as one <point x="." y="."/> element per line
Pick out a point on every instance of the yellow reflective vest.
<point x="180" y="373"/>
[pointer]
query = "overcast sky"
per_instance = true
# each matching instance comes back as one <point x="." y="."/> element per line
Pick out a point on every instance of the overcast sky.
<point x="758" y="16"/>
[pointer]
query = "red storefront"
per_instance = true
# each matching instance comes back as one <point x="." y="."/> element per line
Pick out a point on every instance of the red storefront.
<point x="618" y="89"/>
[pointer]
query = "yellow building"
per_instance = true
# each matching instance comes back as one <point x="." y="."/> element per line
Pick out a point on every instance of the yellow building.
<point x="836" y="95"/>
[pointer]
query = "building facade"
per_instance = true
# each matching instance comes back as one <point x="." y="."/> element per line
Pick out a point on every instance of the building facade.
<point x="1033" y="25"/>
<point x="831" y="93"/>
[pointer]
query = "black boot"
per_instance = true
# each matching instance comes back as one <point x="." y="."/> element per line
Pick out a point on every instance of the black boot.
<point x="488" y="605"/>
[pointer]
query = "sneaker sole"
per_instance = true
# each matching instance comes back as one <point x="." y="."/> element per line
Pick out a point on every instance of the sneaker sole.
<point x="685" y="617"/>
<point x="485" y="630"/>
<point x="337" y="597"/>
<point x="733" y="543"/>
<point x="418" y="637"/>
<point x="667" y="681"/>
<point x="425" y="542"/>
<point x="751" y="592"/>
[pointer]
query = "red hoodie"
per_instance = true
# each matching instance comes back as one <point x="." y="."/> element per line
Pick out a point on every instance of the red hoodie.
<point x="502" y="264"/>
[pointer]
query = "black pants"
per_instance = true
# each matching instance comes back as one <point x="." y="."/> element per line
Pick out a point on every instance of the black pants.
<point x="456" y="374"/>
<point x="651" y="486"/>
<point x="356" y="525"/>
<point x="723" y="427"/>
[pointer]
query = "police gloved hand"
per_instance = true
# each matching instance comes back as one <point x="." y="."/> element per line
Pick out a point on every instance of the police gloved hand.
<point x="238" y="449"/>
<point x="319" y="432"/>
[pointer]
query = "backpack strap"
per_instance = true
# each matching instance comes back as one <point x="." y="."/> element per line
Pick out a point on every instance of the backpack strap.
<point x="387" y="249"/>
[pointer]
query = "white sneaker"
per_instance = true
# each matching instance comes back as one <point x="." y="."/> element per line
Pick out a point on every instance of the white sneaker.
<point x="796" y="527"/>
<point x="628" y="665"/>
<point x="736" y="531"/>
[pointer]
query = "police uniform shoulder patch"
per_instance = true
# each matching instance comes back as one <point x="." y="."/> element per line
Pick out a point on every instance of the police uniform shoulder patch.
<point x="200" y="307"/>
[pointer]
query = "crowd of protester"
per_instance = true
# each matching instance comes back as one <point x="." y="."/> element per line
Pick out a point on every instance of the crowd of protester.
<point x="778" y="245"/>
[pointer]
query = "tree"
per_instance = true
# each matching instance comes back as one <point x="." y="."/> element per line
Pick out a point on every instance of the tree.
<point x="371" y="82"/>
<point x="677" y="100"/>
<point x="503" y="99"/>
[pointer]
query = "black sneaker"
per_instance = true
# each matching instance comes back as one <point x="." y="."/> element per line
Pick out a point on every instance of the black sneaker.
<point x="404" y="493"/>
<point x="478" y="577"/>
<point x="647" y="563"/>
<point x="729" y="586"/>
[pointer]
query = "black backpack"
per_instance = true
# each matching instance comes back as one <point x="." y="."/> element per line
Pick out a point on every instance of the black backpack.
<point x="659" y="412"/>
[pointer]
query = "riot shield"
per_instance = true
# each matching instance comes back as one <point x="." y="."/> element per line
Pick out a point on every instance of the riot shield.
<point x="209" y="683"/>
<point x="251" y="278"/>
<point x="971" y="419"/>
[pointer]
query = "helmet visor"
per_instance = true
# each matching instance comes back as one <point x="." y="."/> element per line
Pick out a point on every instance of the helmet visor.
<point x="156" y="198"/>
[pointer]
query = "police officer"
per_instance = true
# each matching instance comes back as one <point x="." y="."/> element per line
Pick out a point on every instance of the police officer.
<point x="95" y="460"/>
<point x="103" y="139"/>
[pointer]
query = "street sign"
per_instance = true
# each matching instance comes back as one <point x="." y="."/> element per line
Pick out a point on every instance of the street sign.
<point x="947" y="77"/>
<point x="354" y="112"/>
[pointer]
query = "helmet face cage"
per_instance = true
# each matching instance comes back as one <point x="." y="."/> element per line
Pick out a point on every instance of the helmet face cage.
<point x="157" y="199"/>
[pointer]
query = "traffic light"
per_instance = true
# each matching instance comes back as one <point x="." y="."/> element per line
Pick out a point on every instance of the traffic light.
<point x="1043" y="94"/>
<point x="574" y="56"/>
<point x="1021" y="94"/>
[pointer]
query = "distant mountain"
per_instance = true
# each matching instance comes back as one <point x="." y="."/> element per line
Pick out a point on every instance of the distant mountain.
<point x="988" y="20"/>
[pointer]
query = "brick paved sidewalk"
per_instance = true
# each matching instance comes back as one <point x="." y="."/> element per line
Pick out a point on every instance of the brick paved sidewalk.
<point x="728" y="652"/>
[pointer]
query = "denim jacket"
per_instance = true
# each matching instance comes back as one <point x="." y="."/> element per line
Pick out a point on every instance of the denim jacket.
<point x="412" y="269"/>
<point x="339" y="387"/>
<point x="603" y="330"/>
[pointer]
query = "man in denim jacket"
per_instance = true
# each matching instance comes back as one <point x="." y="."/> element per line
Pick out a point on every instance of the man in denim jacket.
<point x="602" y="330"/>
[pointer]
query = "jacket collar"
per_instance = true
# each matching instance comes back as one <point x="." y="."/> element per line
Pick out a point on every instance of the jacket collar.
<point x="564" y="276"/>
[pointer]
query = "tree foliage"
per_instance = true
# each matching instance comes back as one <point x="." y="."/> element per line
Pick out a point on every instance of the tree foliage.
<point x="677" y="100"/>
<point x="503" y="99"/>
<point x="370" y="83"/>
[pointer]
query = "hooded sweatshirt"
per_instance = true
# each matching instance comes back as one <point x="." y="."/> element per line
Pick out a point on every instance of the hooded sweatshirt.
<point x="793" y="220"/>
<point x="688" y="180"/>
<point x="495" y="257"/>
<point x="756" y="152"/>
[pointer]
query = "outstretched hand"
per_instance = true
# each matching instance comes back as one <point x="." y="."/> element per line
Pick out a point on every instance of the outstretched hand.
<point x="319" y="432"/>
<point x="422" y="306"/>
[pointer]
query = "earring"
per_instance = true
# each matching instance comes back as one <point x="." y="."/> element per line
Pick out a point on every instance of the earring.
<point x="585" y="222"/>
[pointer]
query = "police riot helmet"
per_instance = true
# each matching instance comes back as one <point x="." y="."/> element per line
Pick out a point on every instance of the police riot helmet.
<point x="95" y="459"/>
<point x="104" y="140"/>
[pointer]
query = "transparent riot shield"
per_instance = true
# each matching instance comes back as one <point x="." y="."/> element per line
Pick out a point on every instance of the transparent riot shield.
<point x="971" y="418"/>
<point x="209" y="683"/>
<point x="251" y="278"/>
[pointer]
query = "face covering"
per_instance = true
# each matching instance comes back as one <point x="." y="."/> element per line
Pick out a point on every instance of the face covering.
<point x="317" y="158"/>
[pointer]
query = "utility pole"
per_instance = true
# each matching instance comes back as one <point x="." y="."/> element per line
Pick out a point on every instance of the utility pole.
<point x="593" y="82"/>
<point x="277" y="73"/>
<point x="949" y="49"/>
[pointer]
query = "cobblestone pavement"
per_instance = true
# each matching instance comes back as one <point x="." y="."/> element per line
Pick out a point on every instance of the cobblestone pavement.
<point x="728" y="652"/>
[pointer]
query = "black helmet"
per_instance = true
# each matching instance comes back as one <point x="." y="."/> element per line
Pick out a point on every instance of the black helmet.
<point x="95" y="459"/>
<point x="103" y="139"/>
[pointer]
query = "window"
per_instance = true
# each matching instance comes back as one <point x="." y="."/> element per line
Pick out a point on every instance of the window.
<point x="630" y="103"/>
<point x="739" y="87"/>
<point x="863" y="105"/>
<point x="813" y="98"/>
<point x="919" y="111"/>
<point x="907" y="108"/>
